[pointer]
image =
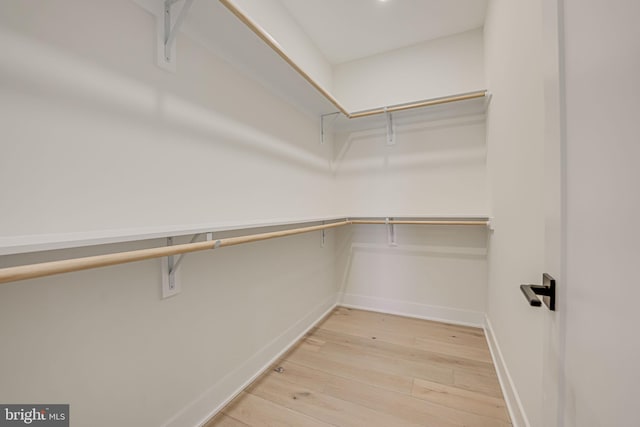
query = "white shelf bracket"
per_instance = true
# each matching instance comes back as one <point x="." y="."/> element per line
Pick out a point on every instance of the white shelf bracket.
<point x="391" y="134"/>
<point x="391" y="232"/>
<point x="168" y="28"/>
<point x="326" y="120"/>
<point x="170" y="266"/>
<point x="487" y="99"/>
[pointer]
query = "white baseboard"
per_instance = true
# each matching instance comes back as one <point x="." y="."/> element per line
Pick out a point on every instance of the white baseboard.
<point x="511" y="396"/>
<point x="412" y="309"/>
<point x="225" y="390"/>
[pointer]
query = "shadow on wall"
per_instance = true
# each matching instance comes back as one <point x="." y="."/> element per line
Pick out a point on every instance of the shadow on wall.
<point x="420" y="143"/>
<point x="432" y="265"/>
<point x="72" y="82"/>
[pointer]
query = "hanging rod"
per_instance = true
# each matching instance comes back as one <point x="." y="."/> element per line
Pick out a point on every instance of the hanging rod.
<point x="419" y="104"/>
<point x="418" y="222"/>
<point x="32" y="271"/>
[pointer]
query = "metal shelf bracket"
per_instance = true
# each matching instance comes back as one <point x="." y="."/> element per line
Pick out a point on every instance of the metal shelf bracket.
<point x="170" y="266"/>
<point x="391" y="134"/>
<point x="326" y="120"/>
<point x="391" y="232"/>
<point x="168" y="28"/>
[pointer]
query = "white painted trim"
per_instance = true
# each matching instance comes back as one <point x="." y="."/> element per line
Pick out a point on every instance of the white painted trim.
<point x="199" y="411"/>
<point x="411" y="309"/>
<point x="511" y="396"/>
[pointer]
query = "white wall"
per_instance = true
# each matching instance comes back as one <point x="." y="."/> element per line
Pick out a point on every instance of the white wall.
<point x="432" y="272"/>
<point x="515" y="142"/>
<point x="95" y="136"/>
<point x="602" y="65"/>
<point x="98" y="137"/>
<point x="274" y="18"/>
<point x="437" y="167"/>
<point x="440" y="67"/>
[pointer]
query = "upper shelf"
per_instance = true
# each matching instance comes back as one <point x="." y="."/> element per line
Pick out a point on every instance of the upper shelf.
<point x="439" y="102"/>
<point x="275" y="46"/>
<point x="228" y="31"/>
<point x="218" y="29"/>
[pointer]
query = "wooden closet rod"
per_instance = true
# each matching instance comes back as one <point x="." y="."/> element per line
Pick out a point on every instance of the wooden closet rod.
<point x="419" y="222"/>
<point x="32" y="271"/>
<point x="419" y="104"/>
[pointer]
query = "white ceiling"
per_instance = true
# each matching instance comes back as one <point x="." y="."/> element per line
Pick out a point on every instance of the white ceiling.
<point x="345" y="30"/>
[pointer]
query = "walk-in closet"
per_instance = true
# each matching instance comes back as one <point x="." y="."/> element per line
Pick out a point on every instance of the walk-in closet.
<point x="231" y="213"/>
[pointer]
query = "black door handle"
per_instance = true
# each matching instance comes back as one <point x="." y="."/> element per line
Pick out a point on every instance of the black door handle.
<point x="547" y="290"/>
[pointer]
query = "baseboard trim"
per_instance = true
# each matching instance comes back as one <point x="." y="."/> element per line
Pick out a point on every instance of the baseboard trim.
<point x="218" y="396"/>
<point x="412" y="309"/>
<point x="511" y="396"/>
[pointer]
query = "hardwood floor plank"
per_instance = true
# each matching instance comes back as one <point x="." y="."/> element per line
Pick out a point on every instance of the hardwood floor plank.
<point x="440" y="372"/>
<point x="311" y="343"/>
<point x="304" y="376"/>
<point x="367" y="332"/>
<point x="408" y="407"/>
<point x="321" y="406"/>
<point x="256" y="411"/>
<point x="404" y="406"/>
<point x="349" y="368"/>
<point x="411" y="354"/>
<point x="468" y="401"/>
<point x="487" y="384"/>
<point x="454" y="349"/>
<point x="359" y="320"/>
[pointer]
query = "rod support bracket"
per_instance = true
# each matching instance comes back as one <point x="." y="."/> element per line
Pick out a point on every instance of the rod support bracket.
<point x="391" y="232"/>
<point x="170" y="268"/>
<point x="391" y="134"/>
<point x="170" y="281"/>
<point x="323" y="236"/>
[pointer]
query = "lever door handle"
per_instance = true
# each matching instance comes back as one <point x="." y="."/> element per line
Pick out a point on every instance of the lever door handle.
<point x="547" y="290"/>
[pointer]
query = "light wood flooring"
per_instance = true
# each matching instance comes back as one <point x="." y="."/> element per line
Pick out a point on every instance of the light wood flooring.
<point x="360" y="368"/>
